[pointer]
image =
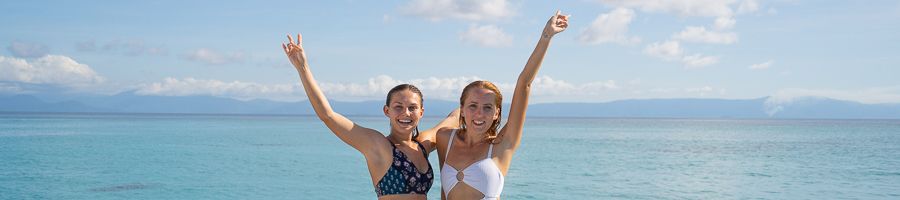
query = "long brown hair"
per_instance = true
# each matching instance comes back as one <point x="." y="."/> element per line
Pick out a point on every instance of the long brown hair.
<point x="411" y="88"/>
<point x="493" y="130"/>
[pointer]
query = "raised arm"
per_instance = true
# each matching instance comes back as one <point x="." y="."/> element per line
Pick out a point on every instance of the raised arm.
<point x="428" y="137"/>
<point x="360" y="138"/>
<point x="512" y="131"/>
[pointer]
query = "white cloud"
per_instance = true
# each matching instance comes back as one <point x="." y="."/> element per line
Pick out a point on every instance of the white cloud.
<point x="669" y="50"/>
<point x="672" y="51"/>
<point x="876" y="95"/>
<point x="487" y="35"/>
<point x="700" y="34"/>
<point x="698" y="61"/>
<point x="610" y="27"/>
<point x="705" y="91"/>
<point x="689" y="92"/>
<point x="475" y="10"/>
<point x="547" y="86"/>
<point x="377" y="87"/>
<point x="748" y="6"/>
<point x="448" y="89"/>
<point x="27" y="50"/>
<point x="705" y="8"/>
<point x="211" y="57"/>
<point x="50" y="69"/>
<point x="723" y="23"/>
<point x="761" y="66"/>
<point x="235" y="89"/>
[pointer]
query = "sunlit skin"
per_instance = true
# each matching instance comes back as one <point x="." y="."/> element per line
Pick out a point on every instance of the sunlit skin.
<point x="480" y="110"/>
<point x="404" y="110"/>
<point x="405" y="113"/>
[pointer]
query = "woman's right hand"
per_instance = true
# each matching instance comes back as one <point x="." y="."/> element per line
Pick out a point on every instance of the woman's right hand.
<point x="557" y="23"/>
<point x="294" y="51"/>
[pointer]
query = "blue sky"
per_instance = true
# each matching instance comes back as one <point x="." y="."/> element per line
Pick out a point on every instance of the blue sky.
<point x="641" y="49"/>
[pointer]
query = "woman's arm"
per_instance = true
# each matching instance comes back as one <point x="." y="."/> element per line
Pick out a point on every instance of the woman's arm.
<point x="360" y="138"/>
<point x="512" y="131"/>
<point x="428" y="138"/>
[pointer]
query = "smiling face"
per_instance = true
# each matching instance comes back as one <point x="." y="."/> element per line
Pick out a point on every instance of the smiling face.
<point x="404" y="108"/>
<point x="480" y="108"/>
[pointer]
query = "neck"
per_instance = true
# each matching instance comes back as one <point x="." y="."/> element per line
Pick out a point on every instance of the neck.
<point x="472" y="138"/>
<point x="400" y="137"/>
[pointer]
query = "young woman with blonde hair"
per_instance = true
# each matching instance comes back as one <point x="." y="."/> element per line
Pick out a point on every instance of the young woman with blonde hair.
<point x="475" y="158"/>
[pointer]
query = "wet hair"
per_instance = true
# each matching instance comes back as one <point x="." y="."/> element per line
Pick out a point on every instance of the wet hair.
<point x="411" y="88"/>
<point x="493" y="130"/>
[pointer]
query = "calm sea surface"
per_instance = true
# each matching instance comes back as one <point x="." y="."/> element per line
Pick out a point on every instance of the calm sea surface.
<point x="125" y="156"/>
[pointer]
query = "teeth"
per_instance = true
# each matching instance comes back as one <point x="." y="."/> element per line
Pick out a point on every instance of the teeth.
<point x="405" y="121"/>
<point x="478" y="122"/>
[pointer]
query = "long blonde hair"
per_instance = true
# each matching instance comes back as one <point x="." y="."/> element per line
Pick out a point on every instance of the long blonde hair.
<point x="493" y="130"/>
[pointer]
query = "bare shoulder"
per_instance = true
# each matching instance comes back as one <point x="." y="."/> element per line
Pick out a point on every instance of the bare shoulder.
<point x="377" y="146"/>
<point x="444" y="134"/>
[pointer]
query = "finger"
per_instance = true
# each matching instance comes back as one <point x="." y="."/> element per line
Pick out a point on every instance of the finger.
<point x="284" y="47"/>
<point x="290" y="39"/>
<point x="558" y="12"/>
<point x="299" y="39"/>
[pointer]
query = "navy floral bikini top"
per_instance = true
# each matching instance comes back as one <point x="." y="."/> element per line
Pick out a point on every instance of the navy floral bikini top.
<point x="403" y="177"/>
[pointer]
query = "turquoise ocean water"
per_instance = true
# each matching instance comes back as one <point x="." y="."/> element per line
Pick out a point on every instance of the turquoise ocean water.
<point x="170" y="156"/>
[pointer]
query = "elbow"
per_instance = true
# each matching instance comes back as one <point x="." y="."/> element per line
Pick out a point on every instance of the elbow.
<point x="525" y="82"/>
<point x="325" y="116"/>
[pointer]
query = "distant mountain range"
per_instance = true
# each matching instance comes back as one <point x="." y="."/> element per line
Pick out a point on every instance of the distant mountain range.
<point x="128" y="102"/>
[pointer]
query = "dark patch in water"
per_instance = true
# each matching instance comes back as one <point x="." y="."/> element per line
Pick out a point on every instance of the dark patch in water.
<point x="124" y="187"/>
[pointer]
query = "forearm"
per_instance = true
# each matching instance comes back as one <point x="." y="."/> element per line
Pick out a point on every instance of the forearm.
<point x="314" y="94"/>
<point x="534" y="61"/>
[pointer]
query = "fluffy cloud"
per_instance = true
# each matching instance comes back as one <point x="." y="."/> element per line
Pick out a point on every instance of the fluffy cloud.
<point x="235" y="89"/>
<point x="49" y="69"/>
<point x="132" y="47"/>
<point x="377" y="87"/>
<point x="211" y="57"/>
<point x="27" y="50"/>
<point x="475" y="10"/>
<point x="669" y="50"/>
<point x="723" y="23"/>
<point x="761" y="66"/>
<point x="610" y="27"/>
<point x="700" y="34"/>
<point x="877" y="95"/>
<point x="873" y="95"/>
<point x="748" y="6"/>
<point x="543" y="87"/>
<point x="705" y="8"/>
<point x="487" y="36"/>
<point x="698" y="61"/>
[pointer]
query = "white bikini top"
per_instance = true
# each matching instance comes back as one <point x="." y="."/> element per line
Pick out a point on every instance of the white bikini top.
<point x="483" y="175"/>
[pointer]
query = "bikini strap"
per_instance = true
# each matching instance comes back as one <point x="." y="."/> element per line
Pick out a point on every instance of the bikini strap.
<point x="450" y="144"/>
<point x="422" y="148"/>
